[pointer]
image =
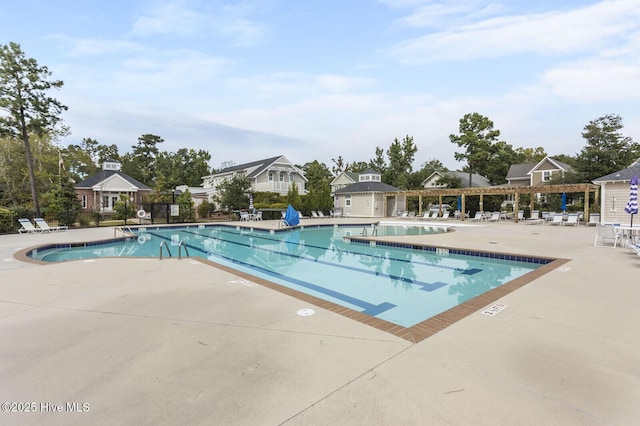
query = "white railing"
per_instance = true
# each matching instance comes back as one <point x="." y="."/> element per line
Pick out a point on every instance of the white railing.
<point x="280" y="187"/>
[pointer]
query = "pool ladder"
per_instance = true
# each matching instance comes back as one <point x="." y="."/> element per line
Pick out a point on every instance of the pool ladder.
<point x="124" y="229"/>
<point x="374" y="230"/>
<point x="181" y="245"/>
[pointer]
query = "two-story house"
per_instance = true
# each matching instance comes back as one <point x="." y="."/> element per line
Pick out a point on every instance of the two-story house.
<point x="275" y="174"/>
<point x="433" y="180"/>
<point x="532" y="174"/>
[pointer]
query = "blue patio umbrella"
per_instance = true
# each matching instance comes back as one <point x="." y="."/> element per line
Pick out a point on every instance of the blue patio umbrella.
<point x="564" y="202"/>
<point x="291" y="216"/>
<point x="251" y="202"/>
<point x="632" y="205"/>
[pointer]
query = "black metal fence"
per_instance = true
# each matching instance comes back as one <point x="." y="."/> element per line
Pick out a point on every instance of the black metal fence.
<point x="160" y="213"/>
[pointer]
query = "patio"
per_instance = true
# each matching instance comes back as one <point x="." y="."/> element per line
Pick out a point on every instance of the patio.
<point x="179" y="342"/>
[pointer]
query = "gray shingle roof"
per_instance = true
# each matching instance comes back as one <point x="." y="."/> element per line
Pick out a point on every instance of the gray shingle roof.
<point x="367" y="187"/>
<point x="104" y="174"/>
<point x="260" y="164"/>
<point x="519" y="171"/>
<point x="622" y="175"/>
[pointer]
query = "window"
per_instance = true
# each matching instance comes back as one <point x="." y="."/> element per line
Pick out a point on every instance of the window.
<point x="270" y="176"/>
<point x="546" y="175"/>
<point x="84" y="201"/>
<point x="347" y="200"/>
<point x="281" y="176"/>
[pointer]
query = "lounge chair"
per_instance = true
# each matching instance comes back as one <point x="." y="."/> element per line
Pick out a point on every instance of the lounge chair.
<point x="42" y="224"/>
<point x="572" y="219"/>
<point x="520" y="215"/>
<point x="445" y="215"/>
<point x="557" y="219"/>
<point x="27" y="227"/>
<point x="478" y="217"/>
<point x="320" y="214"/>
<point x="495" y="217"/>
<point x="594" y="219"/>
<point x="535" y="218"/>
<point x="607" y="233"/>
<point x="314" y="214"/>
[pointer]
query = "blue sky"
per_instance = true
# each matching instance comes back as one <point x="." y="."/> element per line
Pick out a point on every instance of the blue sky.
<point x="315" y="79"/>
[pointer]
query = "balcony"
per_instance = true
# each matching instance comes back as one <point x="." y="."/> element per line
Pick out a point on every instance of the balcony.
<point x="279" y="187"/>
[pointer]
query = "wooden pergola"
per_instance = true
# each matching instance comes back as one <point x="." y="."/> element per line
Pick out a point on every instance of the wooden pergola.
<point x="586" y="188"/>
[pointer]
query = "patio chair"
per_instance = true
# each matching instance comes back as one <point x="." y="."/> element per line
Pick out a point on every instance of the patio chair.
<point x="572" y="219"/>
<point x="42" y="224"/>
<point x="607" y="233"/>
<point x="244" y="216"/>
<point x="445" y="215"/>
<point x="478" y="217"/>
<point x="27" y="227"/>
<point x="557" y="219"/>
<point x="495" y="217"/>
<point x="594" y="219"/>
<point x="258" y="216"/>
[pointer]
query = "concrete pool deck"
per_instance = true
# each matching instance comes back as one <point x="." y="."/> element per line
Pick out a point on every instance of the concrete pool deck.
<point x="180" y="342"/>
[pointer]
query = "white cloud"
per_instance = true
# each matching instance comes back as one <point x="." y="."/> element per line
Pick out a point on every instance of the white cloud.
<point x="595" y="80"/>
<point x="177" y="20"/>
<point x="553" y="33"/>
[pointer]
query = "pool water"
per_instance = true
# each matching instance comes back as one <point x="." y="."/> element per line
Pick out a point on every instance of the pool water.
<point x="401" y="285"/>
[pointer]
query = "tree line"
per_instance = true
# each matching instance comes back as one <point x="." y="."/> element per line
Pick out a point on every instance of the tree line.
<point x="33" y="164"/>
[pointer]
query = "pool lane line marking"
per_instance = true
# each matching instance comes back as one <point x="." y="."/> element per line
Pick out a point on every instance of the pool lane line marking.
<point x="337" y="250"/>
<point x="425" y="286"/>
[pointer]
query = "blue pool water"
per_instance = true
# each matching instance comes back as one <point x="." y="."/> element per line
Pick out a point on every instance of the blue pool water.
<point x="401" y="285"/>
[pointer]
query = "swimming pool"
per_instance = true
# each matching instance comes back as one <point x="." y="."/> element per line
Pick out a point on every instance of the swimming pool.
<point x="398" y="283"/>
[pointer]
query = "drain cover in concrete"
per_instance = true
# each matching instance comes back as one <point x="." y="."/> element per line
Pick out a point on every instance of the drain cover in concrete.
<point x="306" y="312"/>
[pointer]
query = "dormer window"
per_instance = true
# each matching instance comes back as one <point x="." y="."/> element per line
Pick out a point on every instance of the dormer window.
<point x="111" y="165"/>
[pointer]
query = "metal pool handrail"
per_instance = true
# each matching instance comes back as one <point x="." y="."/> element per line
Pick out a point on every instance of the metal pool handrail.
<point x="186" y="251"/>
<point x="164" y="244"/>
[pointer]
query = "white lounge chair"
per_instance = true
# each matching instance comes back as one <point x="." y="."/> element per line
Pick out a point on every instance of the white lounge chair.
<point x="495" y="217"/>
<point x="314" y="214"/>
<point x="594" y="219"/>
<point x="27" y="227"/>
<point x="320" y="214"/>
<point x="557" y="219"/>
<point x="607" y="233"/>
<point x="478" y="217"/>
<point x="44" y="226"/>
<point x="572" y="219"/>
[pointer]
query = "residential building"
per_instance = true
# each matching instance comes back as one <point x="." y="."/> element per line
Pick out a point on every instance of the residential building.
<point x="100" y="192"/>
<point x="433" y="180"/>
<point x="532" y="174"/>
<point x="275" y="174"/>
<point x="614" y="194"/>
<point x="366" y="197"/>
<point x="343" y="179"/>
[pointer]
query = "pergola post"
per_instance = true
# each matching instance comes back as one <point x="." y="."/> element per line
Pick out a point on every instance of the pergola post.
<point x="516" y="204"/>
<point x="586" y="206"/>
<point x="463" y="212"/>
